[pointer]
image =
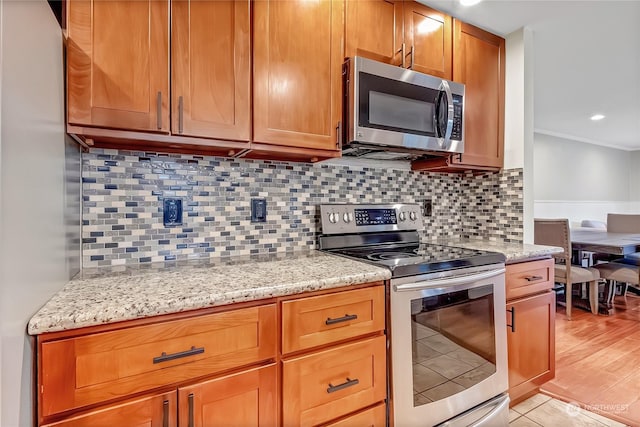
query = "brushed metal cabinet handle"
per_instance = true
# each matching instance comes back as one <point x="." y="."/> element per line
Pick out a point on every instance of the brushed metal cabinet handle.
<point x="159" y="109"/>
<point x="348" y="383"/>
<point x="191" y="417"/>
<point x="412" y="53"/>
<point x="164" y="357"/>
<point x="165" y="413"/>
<point x="512" y="310"/>
<point x="344" y="318"/>
<point x="180" y="114"/>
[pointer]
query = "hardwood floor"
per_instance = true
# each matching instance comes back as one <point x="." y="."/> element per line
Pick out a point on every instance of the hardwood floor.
<point x="598" y="360"/>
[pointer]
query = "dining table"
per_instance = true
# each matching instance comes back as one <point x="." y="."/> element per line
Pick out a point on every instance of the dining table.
<point x="599" y="240"/>
<point x="585" y="239"/>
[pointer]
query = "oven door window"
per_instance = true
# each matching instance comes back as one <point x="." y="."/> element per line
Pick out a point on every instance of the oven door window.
<point x="453" y="342"/>
<point x="394" y="105"/>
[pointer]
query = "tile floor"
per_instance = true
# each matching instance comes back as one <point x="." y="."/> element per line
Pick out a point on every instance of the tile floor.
<point x="543" y="411"/>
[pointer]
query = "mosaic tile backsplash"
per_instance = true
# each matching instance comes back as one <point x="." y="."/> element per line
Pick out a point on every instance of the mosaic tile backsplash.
<point x="124" y="192"/>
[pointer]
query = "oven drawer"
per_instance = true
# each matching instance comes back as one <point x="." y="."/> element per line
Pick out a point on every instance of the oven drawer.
<point x="529" y="278"/>
<point x="93" y="368"/>
<point x="332" y="383"/>
<point x="315" y="321"/>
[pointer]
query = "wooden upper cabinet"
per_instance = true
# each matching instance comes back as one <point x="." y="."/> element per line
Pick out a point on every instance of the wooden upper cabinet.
<point x="479" y="63"/>
<point x="427" y="35"/>
<point x="388" y="30"/>
<point x="211" y="69"/>
<point x="374" y="30"/>
<point x="297" y="72"/>
<point x="118" y="64"/>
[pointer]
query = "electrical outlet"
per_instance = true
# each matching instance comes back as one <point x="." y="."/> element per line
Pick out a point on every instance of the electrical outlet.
<point x="172" y="213"/>
<point x="427" y="207"/>
<point x="258" y="210"/>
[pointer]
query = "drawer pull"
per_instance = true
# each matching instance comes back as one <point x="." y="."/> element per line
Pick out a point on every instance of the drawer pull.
<point x="344" y="318"/>
<point x="164" y="357"/>
<point x="344" y="385"/>
<point x="533" y="278"/>
<point x="165" y="413"/>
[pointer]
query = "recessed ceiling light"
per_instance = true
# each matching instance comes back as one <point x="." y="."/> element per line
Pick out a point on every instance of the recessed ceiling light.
<point x="597" y="117"/>
<point x="469" y="2"/>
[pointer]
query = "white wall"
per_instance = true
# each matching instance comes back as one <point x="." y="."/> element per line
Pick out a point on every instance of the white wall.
<point x="34" y="261"/>
<point x="518" y="124"/>
<point x="579" y="181"/>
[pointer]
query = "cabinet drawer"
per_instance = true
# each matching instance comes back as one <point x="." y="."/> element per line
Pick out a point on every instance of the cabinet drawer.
<point x="372" y="417"/>
<point x="329" y="384"/>
<point x="89" y="369"/>
<point x="529" y="278"/>
<point x="314" y="321"/>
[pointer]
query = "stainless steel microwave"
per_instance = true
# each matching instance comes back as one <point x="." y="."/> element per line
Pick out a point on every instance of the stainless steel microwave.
<point x="395" y="113"/>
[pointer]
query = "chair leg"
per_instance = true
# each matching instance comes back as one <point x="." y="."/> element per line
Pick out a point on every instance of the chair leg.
<point x="593" y="296"/>
<point x="567" y="296"/>
<point x="625" y="289"/>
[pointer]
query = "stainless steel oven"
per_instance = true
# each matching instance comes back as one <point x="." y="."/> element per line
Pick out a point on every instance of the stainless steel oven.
<point x="446" y="320"/>
<point x="448" y="347"/>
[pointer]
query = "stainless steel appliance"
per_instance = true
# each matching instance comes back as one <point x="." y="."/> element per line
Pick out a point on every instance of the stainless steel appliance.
<point x="447" y="317"/>
<point x="391" y="112"/>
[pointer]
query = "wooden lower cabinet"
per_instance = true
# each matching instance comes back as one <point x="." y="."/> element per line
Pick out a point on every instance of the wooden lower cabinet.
<point x="154" y="411"/>
<point x="224" y="368"/>
<point x="530" y="339"/>
<point x="245" y="399"/>
<point x="373" y="417"/>
<point x="328" y="384"/>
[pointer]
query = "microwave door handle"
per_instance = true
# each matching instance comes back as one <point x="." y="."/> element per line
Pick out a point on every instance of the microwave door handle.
<point x="444" y="86"/>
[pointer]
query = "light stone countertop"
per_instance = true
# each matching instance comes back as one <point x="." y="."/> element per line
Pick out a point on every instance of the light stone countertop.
<point x="114" y="294"/>
<point x="514" y="252"/>
<point x="101" y="296"/>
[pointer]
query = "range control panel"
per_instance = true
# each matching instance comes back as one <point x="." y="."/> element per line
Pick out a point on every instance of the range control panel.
<point x="348" y="218"/>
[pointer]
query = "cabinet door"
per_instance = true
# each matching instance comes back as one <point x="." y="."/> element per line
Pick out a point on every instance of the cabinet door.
<point x="531" y="342"/>
<point x="153" y="411"/>
<point x="246" y="399"/>
<point x="211" y="69"/>
<point x="427" y="34"/>
<point x="297" y="72"/>
<point x="118" y="64"/>
<point x="374" y="30"/>
<point x="479" y="64"/>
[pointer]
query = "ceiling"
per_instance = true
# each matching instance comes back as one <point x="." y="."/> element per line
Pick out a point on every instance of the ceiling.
<point x="586" y="58"/>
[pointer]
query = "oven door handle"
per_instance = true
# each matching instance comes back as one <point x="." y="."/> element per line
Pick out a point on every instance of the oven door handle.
<point x="449" y="281"/>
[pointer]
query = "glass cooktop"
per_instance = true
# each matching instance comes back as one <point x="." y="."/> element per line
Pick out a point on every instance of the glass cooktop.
<point x="413" y="259"/>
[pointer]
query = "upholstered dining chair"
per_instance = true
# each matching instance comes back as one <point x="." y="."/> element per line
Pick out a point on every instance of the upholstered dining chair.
<point x="625" y="271"/>
<point x="555" y="232"/>
<point x="623" y="223"/>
